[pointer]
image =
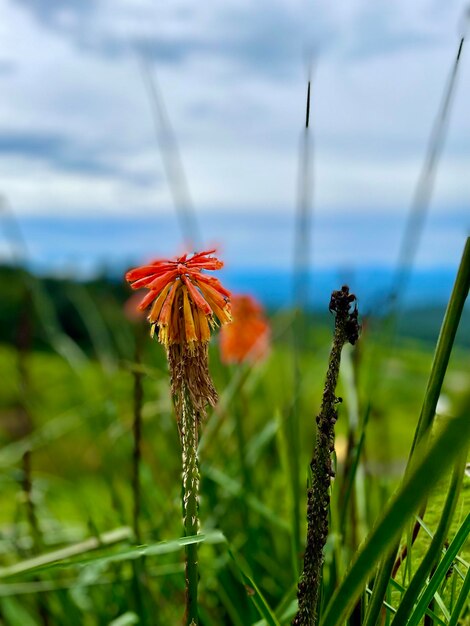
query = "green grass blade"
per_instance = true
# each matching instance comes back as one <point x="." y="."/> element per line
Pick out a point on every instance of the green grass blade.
<point x="414" y="489"/>
<point x="78" y="554"/>
<point x="441" y="571"/>
<point x="441" y="358"/>
<point x="256" y="596"/>
<point x="416" y="585"/>
<point x="127" y="619"/>
<point x="464" y="595"/>
<point x="94" y="323"/>
<point x="235" y="488"/>
<point x="401" y="589"/>
<point x="444" y="346"/>
<point x="16" y="613"/>
<point x="62" y="343"/>
<point x="56" y="556"/>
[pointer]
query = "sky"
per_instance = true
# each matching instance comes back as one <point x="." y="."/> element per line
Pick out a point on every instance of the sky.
<point x="80" y="162"/>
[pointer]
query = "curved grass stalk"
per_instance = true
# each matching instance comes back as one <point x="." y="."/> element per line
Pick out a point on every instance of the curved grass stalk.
<point x="461" y="600"/>
<point x="441" y="358"/>
<point x="417" y="484"/>
<point x="441" y="571"/>
<point x="432" y="555"/>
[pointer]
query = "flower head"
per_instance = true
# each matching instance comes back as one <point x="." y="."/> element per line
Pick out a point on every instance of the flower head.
<point x="248" y="337"/>
<point x="185" y="302"/>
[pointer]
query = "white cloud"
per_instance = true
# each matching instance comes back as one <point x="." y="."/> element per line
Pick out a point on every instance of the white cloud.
<point x="233" y="79"/>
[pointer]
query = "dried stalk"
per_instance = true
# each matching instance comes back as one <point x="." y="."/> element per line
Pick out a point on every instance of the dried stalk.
<point x="318" y="495"/>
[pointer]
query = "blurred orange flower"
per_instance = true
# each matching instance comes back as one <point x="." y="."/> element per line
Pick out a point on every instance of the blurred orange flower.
<point x="185" y="302"/>
<point x="131" y="308"/>
<point x="247" y="338"/>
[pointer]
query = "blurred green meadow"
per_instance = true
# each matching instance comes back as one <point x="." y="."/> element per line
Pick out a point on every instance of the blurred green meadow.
<point x="70" y="361"/>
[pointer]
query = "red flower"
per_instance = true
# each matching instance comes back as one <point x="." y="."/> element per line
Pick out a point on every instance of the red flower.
<point x="185" y="302"/>
<point x="248" y="337"/>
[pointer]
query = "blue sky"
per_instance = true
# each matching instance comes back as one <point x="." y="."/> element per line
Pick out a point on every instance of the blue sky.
<point x="78" y="146"/>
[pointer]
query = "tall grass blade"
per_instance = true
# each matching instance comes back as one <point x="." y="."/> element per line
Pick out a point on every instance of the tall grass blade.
<point x="441" y="570"/>
<point x="302" y="249"/>
<point x="57" y="556"/>
<point x="416" y="486"/>
<point x="78" y="554"/>
<point x="424" y="188"/>
<point x="414" y="588"/>
<point x="256" y="596"/>
<point x="440" y="362"/>
<point x="172" y="161"/>
<point x="444" y="346"/>
<point x="463" y="599"/>
<point x="94" y="323"/>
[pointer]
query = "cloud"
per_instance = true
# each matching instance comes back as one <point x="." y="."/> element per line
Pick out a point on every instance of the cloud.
<point x="62" y="154"/>
<point x="233" y="78"/>
<point x="6" y="66"/>
<point x="262" y="37"/>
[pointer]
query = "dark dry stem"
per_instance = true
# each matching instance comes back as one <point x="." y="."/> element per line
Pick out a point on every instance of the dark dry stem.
<point x="188" y="425"/>
<point x="318" y="496"/>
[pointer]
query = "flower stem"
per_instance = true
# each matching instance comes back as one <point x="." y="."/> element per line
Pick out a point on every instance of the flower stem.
<point x="318" y="496"/>
<point x="189" y="439"/>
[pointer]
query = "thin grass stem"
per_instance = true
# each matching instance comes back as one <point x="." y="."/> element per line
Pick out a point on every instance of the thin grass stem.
<point x="189" y="439"/>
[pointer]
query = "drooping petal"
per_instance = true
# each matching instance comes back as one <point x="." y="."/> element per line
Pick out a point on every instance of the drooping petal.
<point x="223" y="313"/>
<point x="214" y="282"/>
<point x="158" y="304"/>
<point x="189" y="326"/>
<point x="208" y="290"/>
<point x="150" y="297"/>
<point x="205" y="331"/>
<point x="176" y="327"/>
<point x="165" y="315"/>
<point x="197" y="326"/>
<point x="196" y="296"/>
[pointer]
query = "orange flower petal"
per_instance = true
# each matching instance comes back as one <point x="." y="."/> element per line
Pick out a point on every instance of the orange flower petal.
<point x="165" y="314"/>
<point x="209" y="291"/>
<point x="158" y="304"/>
<point x="205" y="331"/>
<point x="214" y="282"/>
<point x="196" y="296"/>
<point x="147" y="270"/>
<point x="222" y="313"/>
<point x="161" y="281"/>
<point x="150" y="297"/>
<point x="203" y="261"/>
<point x="189" y="327"/>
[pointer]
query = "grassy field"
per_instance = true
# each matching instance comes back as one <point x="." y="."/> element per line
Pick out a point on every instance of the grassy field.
<point x="67" y="472"/>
